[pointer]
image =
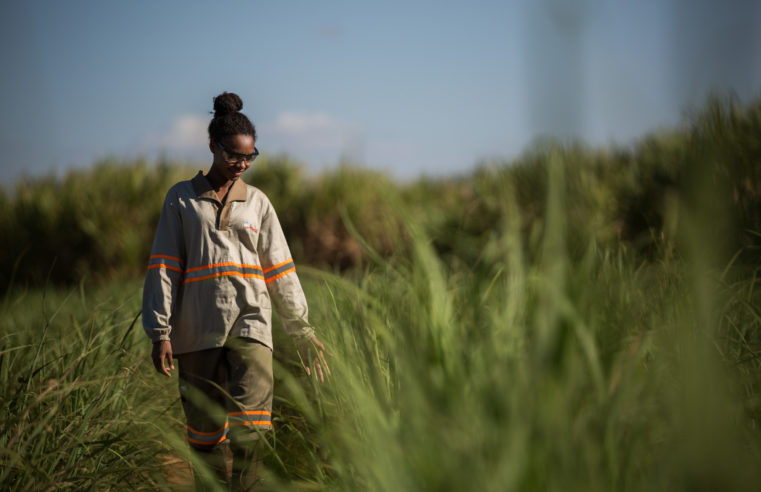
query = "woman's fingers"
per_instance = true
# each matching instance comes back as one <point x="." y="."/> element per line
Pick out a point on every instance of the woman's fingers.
<point x="325" y="361"/>
<point x="315" y="360"/>
<point x="318" y="371"/>
<point x="161" y="353"/>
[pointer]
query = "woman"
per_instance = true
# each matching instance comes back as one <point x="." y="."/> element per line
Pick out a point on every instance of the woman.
<point x="218" y="263"/>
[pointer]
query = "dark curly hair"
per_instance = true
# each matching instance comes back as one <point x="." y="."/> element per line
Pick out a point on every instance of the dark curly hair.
<point x="228" y="120"/>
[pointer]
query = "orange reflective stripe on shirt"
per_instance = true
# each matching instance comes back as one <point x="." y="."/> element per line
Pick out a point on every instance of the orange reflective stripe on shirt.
<point x="164" y="265"/>
<point x="221" y="270"/>
<point x="277" y="271"/>
<point x="290" y="260"/>
<point x="165" y="261"/>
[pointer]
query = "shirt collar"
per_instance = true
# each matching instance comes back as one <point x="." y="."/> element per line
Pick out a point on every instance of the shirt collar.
<point x="203" y="189"/>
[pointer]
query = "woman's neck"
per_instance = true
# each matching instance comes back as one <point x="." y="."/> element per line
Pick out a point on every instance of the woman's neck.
<point x="219" y="183"/>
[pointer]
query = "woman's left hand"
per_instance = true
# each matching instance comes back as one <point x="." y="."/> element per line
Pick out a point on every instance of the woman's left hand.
<point x="312" y="353"/>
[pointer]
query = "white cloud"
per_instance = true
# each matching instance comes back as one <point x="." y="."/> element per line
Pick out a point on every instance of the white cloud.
<point x="316" y="138"/>
<point x="185" y="137"/>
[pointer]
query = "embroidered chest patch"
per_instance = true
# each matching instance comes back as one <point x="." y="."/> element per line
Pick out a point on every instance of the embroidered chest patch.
<point x="249" y="226"/>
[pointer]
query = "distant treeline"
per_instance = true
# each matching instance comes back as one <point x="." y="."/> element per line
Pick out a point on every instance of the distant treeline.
<point x="99" y="223"/>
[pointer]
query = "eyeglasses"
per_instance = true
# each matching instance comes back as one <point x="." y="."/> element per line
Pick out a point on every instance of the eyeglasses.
<point x="234" y="157"/>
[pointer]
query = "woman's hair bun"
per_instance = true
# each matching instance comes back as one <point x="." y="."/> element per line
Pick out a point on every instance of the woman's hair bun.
<point x="228" y="120"/>
<point x="226" y="103"/>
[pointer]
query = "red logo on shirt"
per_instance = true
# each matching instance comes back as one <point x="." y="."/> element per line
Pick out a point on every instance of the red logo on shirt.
<point x="247" y="225"/>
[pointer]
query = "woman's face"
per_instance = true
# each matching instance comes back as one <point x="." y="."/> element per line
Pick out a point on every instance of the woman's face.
<point x="232" y="155"/>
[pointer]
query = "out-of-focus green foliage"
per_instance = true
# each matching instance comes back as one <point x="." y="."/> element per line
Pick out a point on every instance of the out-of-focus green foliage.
<point x="315" y="212"/>
<point x="558" y="323"/>
<point x="96" y="222"/>
<point x="101" y="222"/>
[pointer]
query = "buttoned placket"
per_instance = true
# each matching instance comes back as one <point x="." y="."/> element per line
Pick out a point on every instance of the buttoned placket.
<point x="236" y="193"/>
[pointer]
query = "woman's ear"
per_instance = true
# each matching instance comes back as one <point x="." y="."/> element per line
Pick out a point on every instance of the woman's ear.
<point x="212" y="147"/>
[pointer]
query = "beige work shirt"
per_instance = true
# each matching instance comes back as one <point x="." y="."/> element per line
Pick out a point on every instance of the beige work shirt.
<point x="216" y="269"/>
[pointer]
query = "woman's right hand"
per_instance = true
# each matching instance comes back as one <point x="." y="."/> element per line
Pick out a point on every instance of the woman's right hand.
<point x="162" y="350"/>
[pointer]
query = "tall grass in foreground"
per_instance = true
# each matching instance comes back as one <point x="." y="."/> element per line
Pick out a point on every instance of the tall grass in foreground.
<point x="80" y="409"/>
<point x="544" y="362"/>
<point x="602" y="373"/>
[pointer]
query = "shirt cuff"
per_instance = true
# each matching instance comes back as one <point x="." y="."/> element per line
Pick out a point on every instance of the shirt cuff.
<point x="158" y="334"/>
<point x="302" y="333"/>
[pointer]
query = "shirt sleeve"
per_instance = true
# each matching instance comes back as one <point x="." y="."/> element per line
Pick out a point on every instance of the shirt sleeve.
<point x="165" y="271"/>
<point x="280" y="275"/>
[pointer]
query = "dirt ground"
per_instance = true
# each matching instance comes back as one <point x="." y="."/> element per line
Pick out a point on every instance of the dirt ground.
<point x="179" y="475"/>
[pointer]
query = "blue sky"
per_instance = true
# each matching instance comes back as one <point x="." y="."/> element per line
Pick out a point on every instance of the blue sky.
<point x="405" y="87"/>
